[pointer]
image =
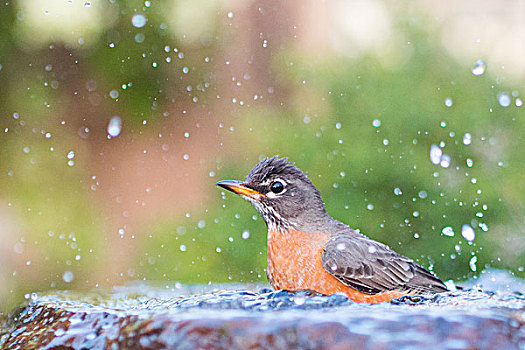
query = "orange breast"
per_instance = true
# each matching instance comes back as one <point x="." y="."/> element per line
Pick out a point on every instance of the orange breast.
<point x="294" y="263"/>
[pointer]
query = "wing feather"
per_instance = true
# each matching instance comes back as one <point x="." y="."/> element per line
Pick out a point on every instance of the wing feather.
<point x="372" y="267"/>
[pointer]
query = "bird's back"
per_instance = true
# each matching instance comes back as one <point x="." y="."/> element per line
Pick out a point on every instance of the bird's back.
<point x="372" y="267"/>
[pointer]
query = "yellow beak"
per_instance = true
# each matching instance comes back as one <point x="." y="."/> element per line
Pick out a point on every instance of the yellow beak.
<point x="240" y="188"/>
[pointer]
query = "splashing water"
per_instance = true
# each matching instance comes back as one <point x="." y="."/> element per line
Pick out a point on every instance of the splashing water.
<point x="114" y="126"/>
<point x="468" y="232"/>
<point x="467" y="139"/>
<point x="479" y="68"/>
<point x="448" y="231"/>
<point x="472" y="263"/>
<point x="445" y="161"/>
<point x="68" y="276"/>
<point x="435" y="154"/>
<point x="139" y="20"/>
<point x="504" y="99"/>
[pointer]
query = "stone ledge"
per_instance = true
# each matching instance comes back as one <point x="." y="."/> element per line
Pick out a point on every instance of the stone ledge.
<point x="268" y="320"/>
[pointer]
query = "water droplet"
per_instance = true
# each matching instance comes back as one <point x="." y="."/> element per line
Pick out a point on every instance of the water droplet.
<point x="230" y="14"/>
<point x="185" y="70"/>
<point x="470" y="162"/>
<point x="448" y="231"/>
<point x="422" y="194"/>
<point x="467" y="139"/>
<point x="397" y="191"/>
<point x="445" y="161"/>
<point x="121" y="232"/>
<point x="338" y="126"/>
<point x="376" y="123"/>
<point x="415" y="214"/>
<point x="504" y="99"/>
<point x="370" y="207"/>
<point x="182" y="248"/>
<point x="341" y="246"/>
<point x="218" y="250"/>
<point x="479" y="68"/>
<point x="519" y="102"/>
<point x="114" y="126"/>
<point x="68" y="276"/>
<point x="113" y="94"/>
<point x="468" y="232"/>
<point x="299" y="298"/>
<point x="443" y="124"/>
<point x="372" y="249"/>
<point x="448" y="102"/>
<point x="435" y="154"/>
<point x="139" y="20"/>
<point x="385" y="142"/>
<point x="472" y="263"/>
<point x="70" y="155"/>
<point x="245" y="234"/>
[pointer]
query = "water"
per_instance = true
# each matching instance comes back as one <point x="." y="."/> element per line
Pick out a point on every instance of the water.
<point x="468" y="232"/>
<point x="445" y="161"/>
<point x="68" y="276"/>
<point x="479" y="68"/>
<point x="448" y="231"/>
<point x="139" y="20"/>
<point x="114" y="126"/>
<point x="435" y="154"/>
<point x="504" y="99"/>
<point x="467" y="139"/>
<point x="193" y="316"/>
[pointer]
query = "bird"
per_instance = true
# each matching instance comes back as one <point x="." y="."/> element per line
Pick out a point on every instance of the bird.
<point x="309" y="250"/>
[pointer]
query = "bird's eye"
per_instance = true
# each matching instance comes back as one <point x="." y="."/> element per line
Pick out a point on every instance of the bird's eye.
<point x="277" y="187"/>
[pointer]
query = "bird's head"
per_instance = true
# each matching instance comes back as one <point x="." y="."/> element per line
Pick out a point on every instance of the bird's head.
<point x="282" y="193"/>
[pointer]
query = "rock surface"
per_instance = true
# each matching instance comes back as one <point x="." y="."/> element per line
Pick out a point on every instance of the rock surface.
<point x="147" y="317"/>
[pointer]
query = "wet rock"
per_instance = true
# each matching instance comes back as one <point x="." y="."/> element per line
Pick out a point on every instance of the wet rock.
<point x="146" y="317"/>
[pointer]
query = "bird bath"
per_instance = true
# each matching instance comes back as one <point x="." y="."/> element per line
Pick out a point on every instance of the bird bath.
<point x="248" y="316"/>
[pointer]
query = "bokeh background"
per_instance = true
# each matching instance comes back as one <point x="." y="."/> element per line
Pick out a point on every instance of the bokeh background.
<point x="118" y="117"/>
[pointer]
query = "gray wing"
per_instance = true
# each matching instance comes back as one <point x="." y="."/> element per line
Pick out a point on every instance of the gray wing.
<point x="371" y="267"/>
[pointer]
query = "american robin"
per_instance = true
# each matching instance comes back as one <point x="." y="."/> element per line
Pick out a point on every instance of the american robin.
<point x="310" y="250"/>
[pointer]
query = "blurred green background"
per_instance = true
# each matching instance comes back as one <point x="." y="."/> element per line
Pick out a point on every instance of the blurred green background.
<point x="356" y="93"/>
